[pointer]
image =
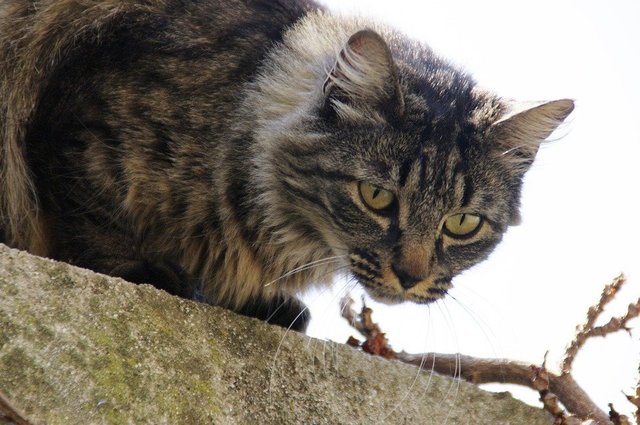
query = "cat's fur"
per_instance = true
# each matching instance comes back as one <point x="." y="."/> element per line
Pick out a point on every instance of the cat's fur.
<point x="213" y="148"/>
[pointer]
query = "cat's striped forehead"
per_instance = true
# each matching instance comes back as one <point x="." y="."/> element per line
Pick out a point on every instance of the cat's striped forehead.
<point x="436" y="166"/>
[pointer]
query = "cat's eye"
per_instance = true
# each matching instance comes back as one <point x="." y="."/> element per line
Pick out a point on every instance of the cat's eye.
<point x="462" y="226"/>
<point x="375" y="197"/>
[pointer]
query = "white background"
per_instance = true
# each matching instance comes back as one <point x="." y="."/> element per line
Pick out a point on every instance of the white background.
<point x="580" y="206"/>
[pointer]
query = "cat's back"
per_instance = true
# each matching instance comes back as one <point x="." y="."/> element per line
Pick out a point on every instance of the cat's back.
<point x="55" y="53"/>
<point x="38" y="37"/>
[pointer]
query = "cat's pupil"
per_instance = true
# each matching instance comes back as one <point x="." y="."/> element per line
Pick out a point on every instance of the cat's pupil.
<point x="462" y="217"/>
<point x="376" y="192"/>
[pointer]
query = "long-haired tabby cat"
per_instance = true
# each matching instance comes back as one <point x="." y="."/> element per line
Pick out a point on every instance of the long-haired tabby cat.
<point x="238" y="151"/>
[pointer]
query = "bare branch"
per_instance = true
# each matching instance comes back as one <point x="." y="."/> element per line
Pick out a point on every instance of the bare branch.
<point x="483" y="371"/>
<point x="362" y="322"/>
<point x="582" y="331"/>
<point x="635" y="400"/>
<point x="617" y="323"/>
<point x="617" y="418"/>
<point x="376" y="343"/>
<point x="551" y="402"/>
<point x="553" y="388"/>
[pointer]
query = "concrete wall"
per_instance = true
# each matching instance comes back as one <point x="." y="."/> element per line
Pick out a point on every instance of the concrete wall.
<point x="81" y="348"/>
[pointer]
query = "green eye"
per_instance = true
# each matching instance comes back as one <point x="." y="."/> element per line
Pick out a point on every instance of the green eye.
<point x="375" y="197"/>
<point x="462" y="226"/>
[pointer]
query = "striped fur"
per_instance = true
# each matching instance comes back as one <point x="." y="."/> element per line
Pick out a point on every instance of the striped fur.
<point x="215" y="149"/>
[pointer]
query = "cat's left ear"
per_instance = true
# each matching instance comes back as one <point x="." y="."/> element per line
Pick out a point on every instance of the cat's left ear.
<point x="364" y="76"/>
<point x="520" y="131"/>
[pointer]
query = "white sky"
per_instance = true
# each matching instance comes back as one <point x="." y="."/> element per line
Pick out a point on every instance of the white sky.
<point x="580" y="202"/>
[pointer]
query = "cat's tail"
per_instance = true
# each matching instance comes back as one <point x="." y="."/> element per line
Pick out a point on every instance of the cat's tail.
<point x="36" y="39"/>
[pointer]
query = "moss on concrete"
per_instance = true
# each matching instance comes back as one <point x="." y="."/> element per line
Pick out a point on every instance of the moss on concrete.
<point x="82" y="348"/>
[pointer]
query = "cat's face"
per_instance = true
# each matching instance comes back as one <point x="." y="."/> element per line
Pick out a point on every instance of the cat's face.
<point x="415" y="206"/>
<point x="419" y="208"/>
<point x="415" y="175"/>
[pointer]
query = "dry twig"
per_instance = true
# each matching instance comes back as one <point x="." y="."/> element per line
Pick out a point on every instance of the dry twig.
<point x="552" y="387"/>
<point x="503" y="371"/>
<point x="617" y="418"/>
<point x="483" y="371"/>
<point x="540" y="382"/>
<point x="375" y="342"/>
<point x="635" y="400"/>
<point x="584" y="331"/>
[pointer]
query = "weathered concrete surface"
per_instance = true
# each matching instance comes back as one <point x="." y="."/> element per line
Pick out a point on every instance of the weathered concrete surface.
<point x="81" y="348"/>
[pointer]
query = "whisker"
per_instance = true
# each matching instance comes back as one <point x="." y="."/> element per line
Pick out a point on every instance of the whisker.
<point x="426" y="350"/>
<point x="307" y="266"/>
<point x="286" y="332"/>
<point x="353" y="282"/>
<point x="408" y="391"/>
<point x="421" y="366"/>
<point x="481" y="324"/>
<point x="330" y="272"/>
<point x="349" y="285"/>
<point x="457" y="367"/>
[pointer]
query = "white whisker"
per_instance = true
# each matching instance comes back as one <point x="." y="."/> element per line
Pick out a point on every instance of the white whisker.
<point x="407" y="392"/>
<point x="307" y="266"/>
<point x="482" y="325"/>
<point x="347" y="287"/>
<point x="275" y="356"/>
<point x="457" y="368"/>
<point x="433" y="361"/>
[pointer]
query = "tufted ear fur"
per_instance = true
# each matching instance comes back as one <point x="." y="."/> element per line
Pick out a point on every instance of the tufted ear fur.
<point x="520" y="131"/>
<point x="364" y="77"/>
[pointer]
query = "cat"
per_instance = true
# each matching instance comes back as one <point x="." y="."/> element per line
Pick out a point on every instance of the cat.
<point x="239" y="152"/>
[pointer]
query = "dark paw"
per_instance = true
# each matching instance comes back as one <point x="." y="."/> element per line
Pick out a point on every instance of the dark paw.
<point x="161" y="274"/>
<point x="289" y="313"/>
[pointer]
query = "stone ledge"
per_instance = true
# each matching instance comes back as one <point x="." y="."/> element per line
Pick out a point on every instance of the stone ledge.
<point x="77" y="347"/>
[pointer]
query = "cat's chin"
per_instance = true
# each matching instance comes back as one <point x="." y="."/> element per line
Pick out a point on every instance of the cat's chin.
<point x="385" y="297"/>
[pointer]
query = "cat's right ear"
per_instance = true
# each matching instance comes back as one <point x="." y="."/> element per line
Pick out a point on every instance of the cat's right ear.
<point x="364" y="77"/>
<point x="525" y="125"/>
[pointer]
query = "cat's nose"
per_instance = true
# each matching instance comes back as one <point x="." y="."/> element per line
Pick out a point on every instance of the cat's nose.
<point x="407" y="281"/>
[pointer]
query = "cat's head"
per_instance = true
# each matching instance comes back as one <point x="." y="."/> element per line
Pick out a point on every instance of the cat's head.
<point x="415" y="173"/>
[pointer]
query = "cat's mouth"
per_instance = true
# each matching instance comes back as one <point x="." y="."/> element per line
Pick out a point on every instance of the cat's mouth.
<point x="387" y="285"/>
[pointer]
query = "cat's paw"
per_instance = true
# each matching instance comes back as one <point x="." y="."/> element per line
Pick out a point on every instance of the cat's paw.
<point x="161" y="274"/>
<point x="289" y="312"/>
